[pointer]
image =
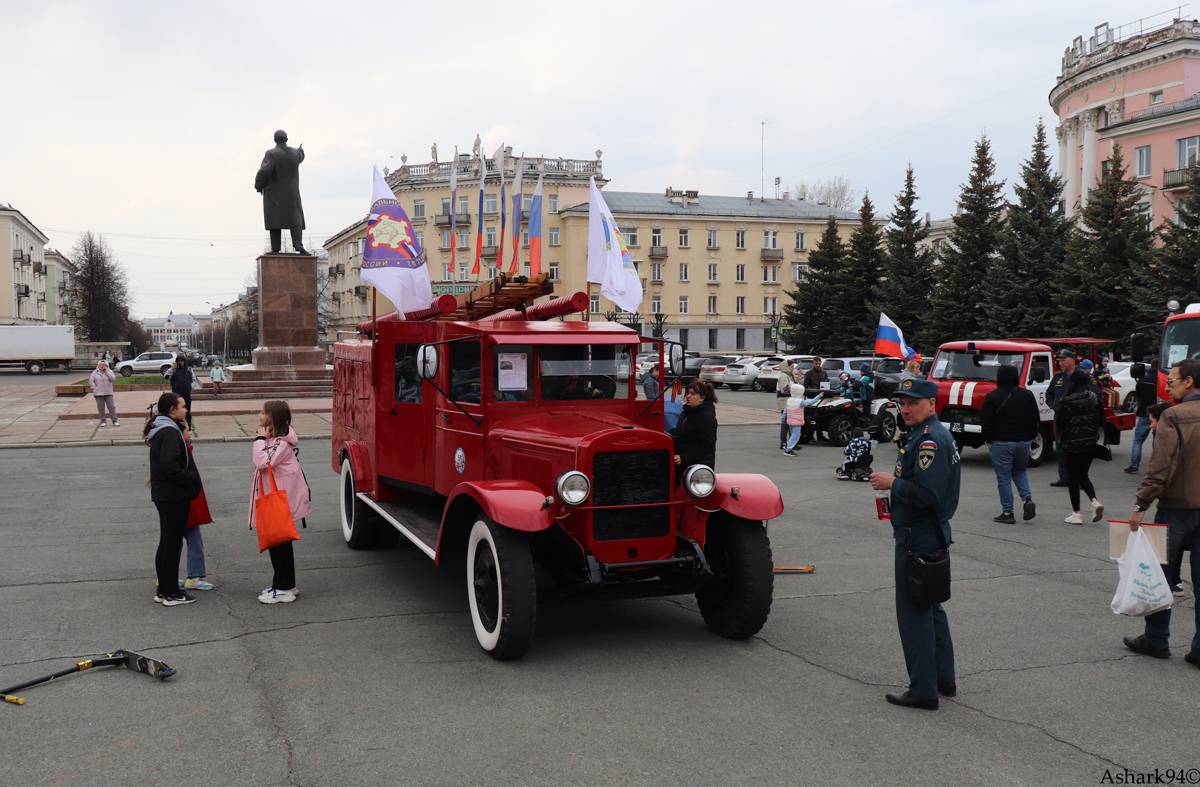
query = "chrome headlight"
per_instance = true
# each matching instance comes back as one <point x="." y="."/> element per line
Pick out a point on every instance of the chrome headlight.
<point x="573" y="487"/>
<point x="700" y="481"/>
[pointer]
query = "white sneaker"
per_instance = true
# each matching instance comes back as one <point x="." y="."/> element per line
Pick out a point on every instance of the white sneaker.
<point x="295" y="591"/>
<point x="116" y="423"/>
<point x="273" y="596"/>
<point x="1097" y="510"/>
<point x="1074" y="519"/>
<point x="102" y="424"/>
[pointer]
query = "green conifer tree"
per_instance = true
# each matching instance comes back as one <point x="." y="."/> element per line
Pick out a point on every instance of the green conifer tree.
<point x="1019" y="291"/>
<point x="956" y="305"/>
<point x="902" y="292"/>
<point x="854" y="320"/>
<point x="810" y="315"/>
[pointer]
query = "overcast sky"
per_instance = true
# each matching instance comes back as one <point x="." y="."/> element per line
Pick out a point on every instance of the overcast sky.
<point x="146" y="122"/>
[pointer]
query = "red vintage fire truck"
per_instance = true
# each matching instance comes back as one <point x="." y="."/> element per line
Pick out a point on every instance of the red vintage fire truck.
<point x="485" y="431"/>
<point x="1178" y="337"/>
<point x="966" y="373"/>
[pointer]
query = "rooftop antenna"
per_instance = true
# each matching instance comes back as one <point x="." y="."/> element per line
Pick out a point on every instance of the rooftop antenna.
<point x="762" y="164"/>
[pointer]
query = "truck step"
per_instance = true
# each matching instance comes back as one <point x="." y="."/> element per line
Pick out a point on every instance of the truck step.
<point x="418" y="520"/>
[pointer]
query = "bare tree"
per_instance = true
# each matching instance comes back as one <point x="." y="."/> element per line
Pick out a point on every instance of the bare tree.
<point x="835" y="193"/>
<point x="101" y="292"/>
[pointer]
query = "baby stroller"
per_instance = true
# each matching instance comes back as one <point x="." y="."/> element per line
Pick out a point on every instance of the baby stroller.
<point x="857" y="466"/>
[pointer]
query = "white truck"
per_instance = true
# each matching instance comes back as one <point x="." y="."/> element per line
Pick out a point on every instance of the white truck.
<point x="35" y="347"/>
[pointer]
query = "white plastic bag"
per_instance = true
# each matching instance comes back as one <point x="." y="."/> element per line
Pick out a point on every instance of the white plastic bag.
<point x="1143" y="588"/>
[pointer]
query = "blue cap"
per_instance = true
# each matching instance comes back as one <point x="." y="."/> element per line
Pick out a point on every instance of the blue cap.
<point x="919" y="389"/>
<point x="1086" y="365"/>
<point x="864" y="368"/>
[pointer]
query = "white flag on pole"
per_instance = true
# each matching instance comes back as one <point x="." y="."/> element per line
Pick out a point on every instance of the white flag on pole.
<point x="393" y="260"/>
<point x="609" y="262"/>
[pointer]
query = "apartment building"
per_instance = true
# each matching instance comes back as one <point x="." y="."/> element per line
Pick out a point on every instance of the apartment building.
<point x="60" y="275"/>
<point x="23" y="284"/>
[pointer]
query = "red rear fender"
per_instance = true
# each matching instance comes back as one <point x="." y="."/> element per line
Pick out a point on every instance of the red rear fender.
<point x="360" y="464"/>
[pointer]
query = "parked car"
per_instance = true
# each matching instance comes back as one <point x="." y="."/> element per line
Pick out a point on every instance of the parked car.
<point x="148" y="362"/>
<point x="769" y="373"/>
<point x="1124" y="385"/>
<point x="713" y="368"/>
<point x="744" y="372"/>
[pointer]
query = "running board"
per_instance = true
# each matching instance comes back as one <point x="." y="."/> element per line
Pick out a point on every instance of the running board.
<point x="421" y="530"/>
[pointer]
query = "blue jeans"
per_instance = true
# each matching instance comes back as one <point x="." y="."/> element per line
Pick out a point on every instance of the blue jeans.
<point x="1010" y="461"/>
<point x="195" y="553"/>
<point x="924" y="630"/>
<point x="1183" y="533"/>
<point x="1140" y="433"/>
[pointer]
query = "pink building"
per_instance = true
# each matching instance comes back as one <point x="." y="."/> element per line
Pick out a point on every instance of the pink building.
<point x="1138" y="86"/>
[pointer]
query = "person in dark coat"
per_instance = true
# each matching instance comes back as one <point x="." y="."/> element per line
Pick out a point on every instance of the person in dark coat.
<point x="696" y="433"/>
<point x="278" y="180"/>
<point x="174" y="483"/>
<point x="1081" y="417"/>
<point x="183" y="380"/>
<point x="1010" y="421"/>
<point x="1147" y="396"/>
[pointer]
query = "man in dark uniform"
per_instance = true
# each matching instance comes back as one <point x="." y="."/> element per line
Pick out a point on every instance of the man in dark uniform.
<point x="924" y="496"/>
<point x="278" y="180"/>
<point x="1054" y="394"/>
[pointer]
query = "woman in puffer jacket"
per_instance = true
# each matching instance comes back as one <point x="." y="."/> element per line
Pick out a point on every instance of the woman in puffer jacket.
<point x="275" y="445"/>
<point x="102" y="391"/>
<point x="1080" y="418"/>
<point x="174" y="483"/>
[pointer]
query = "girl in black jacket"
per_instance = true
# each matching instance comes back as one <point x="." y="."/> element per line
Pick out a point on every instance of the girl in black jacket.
<point x="174" y="483"/>
<point x="696" y="433"/>
<point x="1080" y="417"/>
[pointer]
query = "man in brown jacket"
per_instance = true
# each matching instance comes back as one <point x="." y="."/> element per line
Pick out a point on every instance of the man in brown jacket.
<point x="1173" y="479"/>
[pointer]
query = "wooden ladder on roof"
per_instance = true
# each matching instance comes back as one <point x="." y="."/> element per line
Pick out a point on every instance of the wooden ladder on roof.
<point x="499" y="294"/>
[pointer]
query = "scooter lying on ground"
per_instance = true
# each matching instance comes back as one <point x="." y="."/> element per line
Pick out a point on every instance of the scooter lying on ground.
<point x="127" y="658"/>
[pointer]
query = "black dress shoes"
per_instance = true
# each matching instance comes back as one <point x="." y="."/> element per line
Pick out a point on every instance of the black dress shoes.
<point x="1192" y="658"/>
<point x="948" y="689"/>
<point x="907" y="700"/>
<point x="1139" y="644"/>
<point x="1058" y="483"/>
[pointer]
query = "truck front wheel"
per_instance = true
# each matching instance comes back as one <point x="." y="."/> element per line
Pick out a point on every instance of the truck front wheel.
<point x="360" y="523"/>
<point x="1040" y="448"/>
<point x="501" y="589"/>
<point x="736" y="601"/>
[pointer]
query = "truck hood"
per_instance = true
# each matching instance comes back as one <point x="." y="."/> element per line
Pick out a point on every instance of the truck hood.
<point x="565" y="432"/>
<point x="963" y="393"/>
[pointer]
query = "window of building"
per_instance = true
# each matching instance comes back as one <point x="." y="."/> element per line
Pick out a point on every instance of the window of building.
<point x="491" y="269"/>
<point x="768" y="341"/>
<point x="464" y="204"/>
<point x="595" y="304"/>
<point x="552" y="235"/>
<point x="741" y="274"/>
<point x="712" y="338"/>
<point x="683" y="271"/>
<point x="656" y="271"/>
<point x="656" y="304"/>
<point x="447" y="238"/>
<point x="684" y="243"/>
<point x="489" y="236"/>
<point x="1142" y="161"/>
<point x="741" y="239"/>
<point x="525" y="268"/>
<point x="683" y="337"/>
<point x="464" y="239"/>
<point x="418" y="209"/>
<point x="741" y="304"/>
<point x="527" y="202"/>
<point x="1156" y="97"/>
<point x="464" y="271"/>
<point x="631" y="236"/>
<point x="740" y="339"/>
<point x="712" y="271"/>
<point x="1188" y="151"/>
<point x="712" y="304"/>
<point x="770" y="239"/>
<point x="353" y="248"/>
<point x="447" y="272"/>
<point x="421" y="239"/>
<point x="683" y="304"/>
<point x="525" y="238"/>
<point x="770" y="305"/>
<point x="799" y="241"/>
<point x="712" y="239"/>
<point x="554" y="272"/>
<point x="770" y="274"/>
<point x="799" y="271"/>
<point x="1143" y="208"/>
<point x="445" y="206"/>
<point x="489" y="203"/>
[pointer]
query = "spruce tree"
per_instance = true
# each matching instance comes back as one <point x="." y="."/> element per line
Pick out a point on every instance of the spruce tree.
<point x="1177" y="272"/>
<point x="956" y="305"/>
<point x="1110" y="255"/>
<point x="1019" y="292"/>
<point x="854" y="319"/>
<point x="810" y="315"/>
<point x="902" y="292"/>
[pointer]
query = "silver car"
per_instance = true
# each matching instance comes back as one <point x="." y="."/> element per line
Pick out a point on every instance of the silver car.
<point x="743" y="372"/>
<point x="149" y="362"/>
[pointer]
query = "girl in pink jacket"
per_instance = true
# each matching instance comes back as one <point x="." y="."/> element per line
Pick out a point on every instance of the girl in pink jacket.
<point x="275" y="445"/>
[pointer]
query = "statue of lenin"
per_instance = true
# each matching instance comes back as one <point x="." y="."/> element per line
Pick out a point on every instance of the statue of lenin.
<point x="278" y="180"/>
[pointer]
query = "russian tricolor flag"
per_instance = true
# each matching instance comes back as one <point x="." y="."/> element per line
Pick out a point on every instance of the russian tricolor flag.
<point x="479" y="228"/>
<point x="889" y="340"/>
<point x="535" y="230"/>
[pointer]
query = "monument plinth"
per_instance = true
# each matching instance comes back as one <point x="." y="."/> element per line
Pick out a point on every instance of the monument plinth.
<point x="287" y="321"/>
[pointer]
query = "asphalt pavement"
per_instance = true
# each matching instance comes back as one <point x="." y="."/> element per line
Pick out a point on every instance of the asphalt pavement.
<point x="373" y="676"/>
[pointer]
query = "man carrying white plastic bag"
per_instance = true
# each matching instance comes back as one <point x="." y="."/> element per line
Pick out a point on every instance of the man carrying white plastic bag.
<point x="1143" y="587"/>
<point x="1172" y="479"/>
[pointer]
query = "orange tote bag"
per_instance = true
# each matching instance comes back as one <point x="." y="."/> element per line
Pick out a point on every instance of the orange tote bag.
<point x="273" y="515"/>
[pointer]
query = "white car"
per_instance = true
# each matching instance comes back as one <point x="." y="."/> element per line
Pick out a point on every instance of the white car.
<point x="146" y="363"/>
<point x="1124" y="385"/>
<point x="713" y="368"/>
<point x="744" y="372"/>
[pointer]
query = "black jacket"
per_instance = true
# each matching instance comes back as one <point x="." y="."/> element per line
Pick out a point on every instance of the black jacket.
<point x="1147" y="391"/>
<point x="696" y="436"/>
<point x="1080" y="417"/>
<point x="173" y="473"/>
<point x="1017" y="421"/>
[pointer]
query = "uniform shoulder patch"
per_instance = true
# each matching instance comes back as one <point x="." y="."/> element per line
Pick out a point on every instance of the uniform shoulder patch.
<point x="926" y="451"/>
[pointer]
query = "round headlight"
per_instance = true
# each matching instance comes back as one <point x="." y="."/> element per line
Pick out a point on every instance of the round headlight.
<point x="573" y="487"/>
<point x="700" y="481"/>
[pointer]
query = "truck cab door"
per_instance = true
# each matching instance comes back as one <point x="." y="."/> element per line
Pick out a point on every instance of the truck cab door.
<point x="404" y="431"/>
<point x="1040" y="362"/>
<point x="458" y="438"/>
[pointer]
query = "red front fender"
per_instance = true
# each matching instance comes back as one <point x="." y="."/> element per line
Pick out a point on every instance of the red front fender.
<point x="757" y="496"/>
<point x="515" y="504"/>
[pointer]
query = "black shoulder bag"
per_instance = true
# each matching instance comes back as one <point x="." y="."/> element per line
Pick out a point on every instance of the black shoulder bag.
<point x="927" y="575"/>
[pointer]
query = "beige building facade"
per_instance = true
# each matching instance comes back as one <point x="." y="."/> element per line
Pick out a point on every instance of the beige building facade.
<point x="23" y="283"/>
<point x="60" y="288"/>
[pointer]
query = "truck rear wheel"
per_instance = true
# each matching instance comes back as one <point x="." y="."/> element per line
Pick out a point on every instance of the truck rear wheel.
<point x="35" y="367"/>
<point x="736" y="601"/>
<point x="501" y="589"/>
<point x="1040" y="447"/>
<point x="360" y="523"/>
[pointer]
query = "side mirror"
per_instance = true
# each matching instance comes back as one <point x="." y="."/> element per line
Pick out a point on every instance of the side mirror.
<point x="1137" y="371"/>
<point x="1137" y="346"/>
<point x="675" y="359"/>
<point x="427" y="362"/>
<point x="1039" y="375"/>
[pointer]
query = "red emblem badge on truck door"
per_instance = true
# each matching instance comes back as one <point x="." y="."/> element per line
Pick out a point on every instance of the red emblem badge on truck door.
<point x="460" y="460"/>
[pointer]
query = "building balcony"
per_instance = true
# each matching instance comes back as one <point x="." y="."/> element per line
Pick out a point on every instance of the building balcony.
<point x="658" y="252"/>
<point x="360" y="291"/>
<point x="1176" y="178"/>
<point x="339" y="269"/>
<point x="337" y="296"/>
<point x="490" y="252"/>
<point x="461" y="220"/>
<point x="771" y="255"/>
<point x="22" y="290"/>
<point x="39" y="269"/>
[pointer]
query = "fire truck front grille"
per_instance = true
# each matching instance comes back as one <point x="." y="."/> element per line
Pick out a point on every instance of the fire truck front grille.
<point x="631" y="478"/>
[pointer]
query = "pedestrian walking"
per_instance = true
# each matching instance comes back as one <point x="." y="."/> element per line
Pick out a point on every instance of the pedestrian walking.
<point x="650" y="383"/>
<point x="924" y="496"/>
<point x="1173" y="480"/>
<point x="275" y="445"/>
<point x="1009" y="422"/>
<point x="1147" y="396"/>
<point x="197" y="572"/>
<point x="102" y="391"/>
<point x="183" y="380"/>
<point x="1081" y="419"/>
<point x="217" y="377"/>
<point x="1054" y="395"/>
<point x="174" y="483"/>
<point x="783" y="391"/>
<point x="696" y="433"/>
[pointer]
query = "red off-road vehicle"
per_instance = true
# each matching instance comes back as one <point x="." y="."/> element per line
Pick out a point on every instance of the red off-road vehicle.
<point x="484" y="431"/>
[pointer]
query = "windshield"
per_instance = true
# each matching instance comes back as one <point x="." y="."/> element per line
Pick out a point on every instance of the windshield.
<point x="1181" y="340"/>
<point x="982" y="365"/>
<point x="585" y="371"/>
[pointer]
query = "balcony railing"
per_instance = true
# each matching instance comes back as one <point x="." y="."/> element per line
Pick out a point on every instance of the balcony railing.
<point x="1176" y="178"/>
<point x="658" y="252"/>
<point x="461" y="220"/>
<point x="360" y="291"/>
<point x="490" y="252"/>
<point x="771" y="254"/>
<point x="337" y="296"/>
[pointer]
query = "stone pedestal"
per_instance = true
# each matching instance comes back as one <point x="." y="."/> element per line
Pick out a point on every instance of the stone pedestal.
<point x="287" y="321"/>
